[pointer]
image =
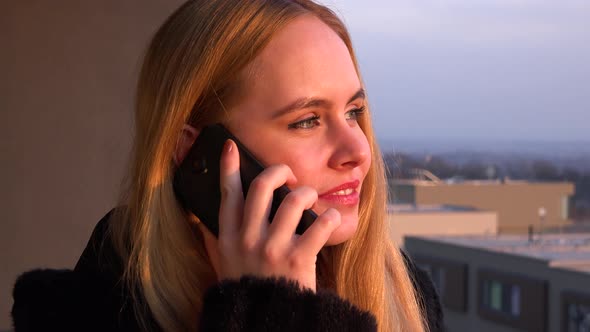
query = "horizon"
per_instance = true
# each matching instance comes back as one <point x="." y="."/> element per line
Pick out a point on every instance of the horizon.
<point x="573" y="152"/>
<point x="506" y="140"/>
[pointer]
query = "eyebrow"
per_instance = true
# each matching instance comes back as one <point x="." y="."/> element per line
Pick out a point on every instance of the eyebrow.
<point x="307" y="102"/>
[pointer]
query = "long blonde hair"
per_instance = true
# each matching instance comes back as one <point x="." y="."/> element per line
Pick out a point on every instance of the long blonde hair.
<point x="191" y="66"/>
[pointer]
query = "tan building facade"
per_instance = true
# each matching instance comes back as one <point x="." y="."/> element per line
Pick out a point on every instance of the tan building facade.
<point x="517" y="203"/>
<point x="415" y="220"/>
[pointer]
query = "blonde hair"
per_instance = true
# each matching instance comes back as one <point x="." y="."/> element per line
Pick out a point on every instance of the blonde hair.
<point x="192" y="65"/>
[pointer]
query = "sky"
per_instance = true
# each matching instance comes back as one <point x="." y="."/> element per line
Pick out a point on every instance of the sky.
<point x="474" y="69"/>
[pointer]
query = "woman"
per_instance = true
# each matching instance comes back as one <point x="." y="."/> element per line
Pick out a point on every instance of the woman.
<point x="283" y="78"/>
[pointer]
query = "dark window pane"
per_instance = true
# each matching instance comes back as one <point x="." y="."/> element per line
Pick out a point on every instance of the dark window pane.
<point x="515" y="300"/>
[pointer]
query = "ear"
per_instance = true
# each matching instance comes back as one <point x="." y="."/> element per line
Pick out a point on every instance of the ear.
<point x="185" y="141"/>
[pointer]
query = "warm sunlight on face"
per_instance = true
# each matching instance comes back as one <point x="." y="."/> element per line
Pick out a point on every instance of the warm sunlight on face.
<point x="300" y="107"/>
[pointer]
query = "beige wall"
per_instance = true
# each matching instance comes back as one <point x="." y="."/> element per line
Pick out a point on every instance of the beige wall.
<point x="441" y="223"/>
<point x="68" y="70"/>
<point x="517" y="203"/>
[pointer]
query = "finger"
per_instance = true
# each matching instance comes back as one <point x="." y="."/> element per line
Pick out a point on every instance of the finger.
<point x="232" y="198"/>
<point x="316" y="236"/>
<point x="211" y="245"/>
<point x="259" y="200"/>
<point x="289" y="213"/>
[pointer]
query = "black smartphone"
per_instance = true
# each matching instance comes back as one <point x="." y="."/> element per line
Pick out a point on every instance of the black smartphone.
<point x="196" y="181"/>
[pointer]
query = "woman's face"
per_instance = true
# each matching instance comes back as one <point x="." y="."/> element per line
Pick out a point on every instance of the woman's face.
<point x="300" y="104"/>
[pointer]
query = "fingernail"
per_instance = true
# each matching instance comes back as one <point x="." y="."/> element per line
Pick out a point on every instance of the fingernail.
<point x="228" y="146"/>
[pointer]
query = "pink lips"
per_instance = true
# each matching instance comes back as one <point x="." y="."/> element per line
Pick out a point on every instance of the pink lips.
<point x="345" y="194"/>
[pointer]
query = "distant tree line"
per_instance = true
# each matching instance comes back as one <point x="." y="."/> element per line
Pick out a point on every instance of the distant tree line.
<point x="402" y="166"/>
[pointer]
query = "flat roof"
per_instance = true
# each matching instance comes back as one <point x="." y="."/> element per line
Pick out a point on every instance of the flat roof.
<point x="426" y="208"/>
<point x="451" y="182"/>
<point x="569" y="251"/>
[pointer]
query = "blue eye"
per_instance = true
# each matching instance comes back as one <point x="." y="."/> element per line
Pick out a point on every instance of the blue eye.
<point x="355" y="113"/>
<point x="306" y="123"/>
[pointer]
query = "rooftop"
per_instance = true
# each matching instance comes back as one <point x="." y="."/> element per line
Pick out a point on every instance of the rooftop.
<point x="569" y="251"/>
<point x="461" y="181"/>
<point x="428" y="208"/>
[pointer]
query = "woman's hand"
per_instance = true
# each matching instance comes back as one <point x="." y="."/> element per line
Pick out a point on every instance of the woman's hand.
<point x="248" y="243"/>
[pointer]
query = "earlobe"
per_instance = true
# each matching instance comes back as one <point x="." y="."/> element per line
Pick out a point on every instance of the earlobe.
<point x="185" y="141"/>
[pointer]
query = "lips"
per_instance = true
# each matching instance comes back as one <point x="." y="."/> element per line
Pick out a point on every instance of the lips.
<point x="345" y="194"/>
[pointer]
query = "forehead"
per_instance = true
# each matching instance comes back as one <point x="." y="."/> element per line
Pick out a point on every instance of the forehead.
<point x="306" y="58"/>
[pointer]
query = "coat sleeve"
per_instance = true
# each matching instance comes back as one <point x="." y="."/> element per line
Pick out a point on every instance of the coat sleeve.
<point x="91" y="298"/>
<point x="254" y="304"/>
<point x="63" y="300"/>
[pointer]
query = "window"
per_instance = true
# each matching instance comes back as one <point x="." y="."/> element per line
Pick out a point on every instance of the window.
<point x="578" y="318"/>
<point x="515" y="300"/>
<point x="437" y="275"/>
<point x="501" y="297"/>
<point x="438" y="278"/>
<point x="512" y="299"/>
<point x="449" y="278"/>
<point x="575" y="311"/>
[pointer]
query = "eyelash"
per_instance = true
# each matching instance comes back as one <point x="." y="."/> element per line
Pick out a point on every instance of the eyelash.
<point x="357" y="112"/>
<point x="313" y="121"/>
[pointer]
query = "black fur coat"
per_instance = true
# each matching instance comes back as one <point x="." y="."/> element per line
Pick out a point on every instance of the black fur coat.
<point x="91" y="298"/>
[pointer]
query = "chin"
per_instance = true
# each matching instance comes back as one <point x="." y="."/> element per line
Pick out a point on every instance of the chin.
<point x="344" y="232"/>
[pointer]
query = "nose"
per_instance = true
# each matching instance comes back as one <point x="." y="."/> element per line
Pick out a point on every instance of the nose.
<point x="351" y="147"/>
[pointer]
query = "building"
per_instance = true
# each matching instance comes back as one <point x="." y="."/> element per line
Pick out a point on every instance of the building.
<point x="408" y="219"/>
<point x="552" y="198"/>
<point x="509" y="282"/>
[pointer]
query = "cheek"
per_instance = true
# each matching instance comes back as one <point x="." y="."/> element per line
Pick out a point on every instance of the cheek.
<point x="369" y="161"/>
<point x="366" y="151"/>
<point x="305" y="160"/>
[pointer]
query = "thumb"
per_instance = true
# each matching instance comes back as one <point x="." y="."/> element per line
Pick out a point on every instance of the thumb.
<point x="211" y="247"/>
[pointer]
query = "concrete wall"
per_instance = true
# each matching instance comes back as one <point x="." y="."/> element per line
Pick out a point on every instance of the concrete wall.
<point x="559" y="280"/>
<point x="68" y="70"/>
<point x="441" y="223"/>
<point x="517" y="204"/>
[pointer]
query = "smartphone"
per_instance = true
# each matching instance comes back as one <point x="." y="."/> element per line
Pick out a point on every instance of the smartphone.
<point x="196" y="181"/>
